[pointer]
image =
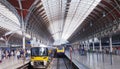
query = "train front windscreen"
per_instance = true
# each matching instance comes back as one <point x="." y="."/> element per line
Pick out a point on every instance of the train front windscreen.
<point x="60" y="48"/>
<point x="39" y="51"/>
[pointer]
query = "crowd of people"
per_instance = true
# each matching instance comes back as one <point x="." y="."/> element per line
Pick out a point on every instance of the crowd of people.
<point x="17" y="54"/>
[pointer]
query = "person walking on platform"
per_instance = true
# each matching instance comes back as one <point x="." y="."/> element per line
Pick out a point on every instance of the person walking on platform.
<point x="6" y="54"/>
<point x="12" y="53"/>
<point x="18" y="54"/>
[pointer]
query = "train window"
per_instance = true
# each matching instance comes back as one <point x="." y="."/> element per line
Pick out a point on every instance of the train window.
<point x="60" y="48"/>
<point x="39" y="51"/>
<point x="34" y="51"/>
<point x="43" y="52"/>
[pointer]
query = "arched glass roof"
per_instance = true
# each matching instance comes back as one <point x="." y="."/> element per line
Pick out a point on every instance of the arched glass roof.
<point x="8" y="19"/>
<point x="65" y="17"/>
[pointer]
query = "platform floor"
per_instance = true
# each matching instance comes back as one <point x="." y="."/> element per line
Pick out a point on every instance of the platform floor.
<point x="12" y="63"/>
<point x="94" y="60"/>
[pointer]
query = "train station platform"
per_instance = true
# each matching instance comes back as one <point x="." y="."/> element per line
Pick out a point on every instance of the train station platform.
<point x="12" y="63"/>
<point x="94" y="60"/>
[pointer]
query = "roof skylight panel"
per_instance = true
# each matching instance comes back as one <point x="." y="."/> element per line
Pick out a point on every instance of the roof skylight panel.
<point x="7" y="13"/>
<point x="84" y="6"/>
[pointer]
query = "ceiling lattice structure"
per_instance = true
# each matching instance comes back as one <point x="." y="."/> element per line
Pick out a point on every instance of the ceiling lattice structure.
<point x="103" y="21"/>
<point x="70" y="20"/>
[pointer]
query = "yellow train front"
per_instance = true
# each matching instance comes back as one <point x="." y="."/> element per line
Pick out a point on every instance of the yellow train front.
<point x="39" y="57"/>
<point x="60" y="51"/>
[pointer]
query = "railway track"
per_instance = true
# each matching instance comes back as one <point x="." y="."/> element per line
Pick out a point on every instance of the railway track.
<point x="62" y="63"/>
<point x="57" y="63"/>
<point x="66" y="63"/>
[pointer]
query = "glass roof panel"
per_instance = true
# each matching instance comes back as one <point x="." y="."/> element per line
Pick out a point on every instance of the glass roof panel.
<point x="9" y="21"/>
<point x="6" y="12"/>
<point x="55" y="10"/>
<point x="77" y="12"/>
<point x="82" y="10"/>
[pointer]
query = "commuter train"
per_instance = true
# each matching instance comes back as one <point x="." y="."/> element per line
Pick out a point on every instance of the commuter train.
<point x="60" y="50"/>
<point x="39" y="57"/>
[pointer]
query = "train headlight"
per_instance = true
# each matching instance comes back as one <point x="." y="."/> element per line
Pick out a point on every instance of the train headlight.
<point x="32" y="63"/>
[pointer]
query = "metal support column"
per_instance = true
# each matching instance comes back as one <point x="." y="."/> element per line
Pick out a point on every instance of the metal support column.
<point x="84" y="45"/>
<point x="22" y="23"/>
<point x="23" y="29"/>
<point x="23" y="40"/>
<point x="6" y="42"/>
<point x="100" y="45"/>
<point x="93" y="45"/>
<point x="88" y="45"/>
<point x="110" y="39"/>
